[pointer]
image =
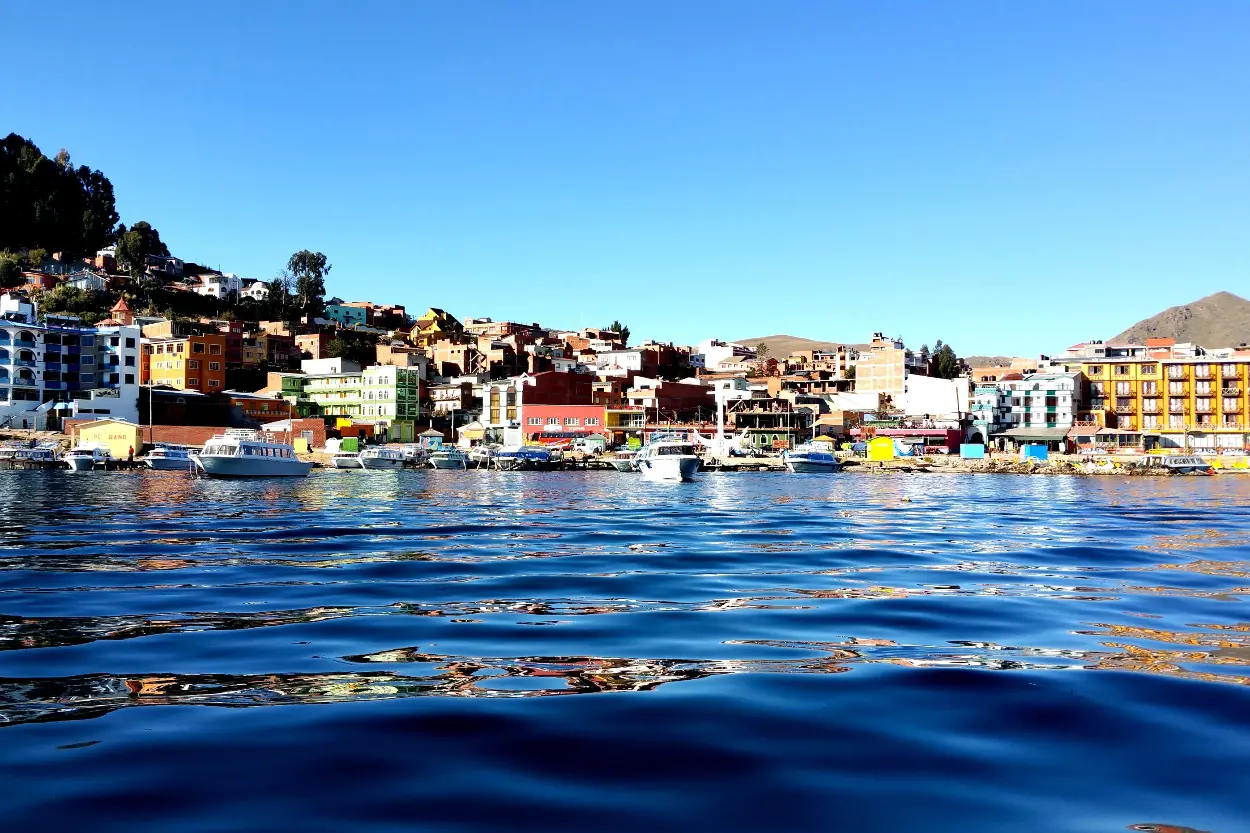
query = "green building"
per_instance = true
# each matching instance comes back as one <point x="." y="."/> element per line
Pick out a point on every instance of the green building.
<point x="386" y="396"/>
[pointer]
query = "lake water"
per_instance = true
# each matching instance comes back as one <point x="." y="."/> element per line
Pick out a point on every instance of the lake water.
<point x="453" y="651"/>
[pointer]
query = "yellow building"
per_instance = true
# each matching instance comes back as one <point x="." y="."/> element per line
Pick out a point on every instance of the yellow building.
<point x="435" y="325"/>
<point x="1175" y="401"/>
<point x="117" y="436"/>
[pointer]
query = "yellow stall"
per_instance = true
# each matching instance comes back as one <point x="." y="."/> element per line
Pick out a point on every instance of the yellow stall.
<point x="118" y="436"/>
<point x="881" y="449"/>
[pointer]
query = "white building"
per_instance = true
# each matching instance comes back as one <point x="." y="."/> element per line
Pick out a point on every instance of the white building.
<point x="712" y="352"/>
<point x="1040" y="407"/>
<point x="935" y="398"/>
<point x="256" y="290"/>
<point x="64" y="369"/>
<point x="618" y="362"/>
<point x="220" y="286"/>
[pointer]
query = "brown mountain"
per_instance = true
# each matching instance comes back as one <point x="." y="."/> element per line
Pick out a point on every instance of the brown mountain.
<point x="780" y="346"/>
<point x="1219" y="320"/>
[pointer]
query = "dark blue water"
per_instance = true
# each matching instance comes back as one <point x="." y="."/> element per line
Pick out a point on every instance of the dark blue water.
<point x="476" y="651"/>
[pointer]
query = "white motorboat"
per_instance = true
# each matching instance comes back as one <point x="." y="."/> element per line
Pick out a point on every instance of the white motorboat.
<point x="87" y="457"/>
<point x="623" y="460"/>
<point x="380" y="457"/>
<point x="449" y="458"/>
<point x="667" y="457"/>
<point x="811" y="457"/>
<point x="482" y="456"/>
<point x="346" y="460"/>
<point x="168" y="457"/>
<point x="244" y="453"/>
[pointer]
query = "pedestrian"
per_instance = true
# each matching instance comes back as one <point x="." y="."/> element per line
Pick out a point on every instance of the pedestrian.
<point x="130" y="455"/>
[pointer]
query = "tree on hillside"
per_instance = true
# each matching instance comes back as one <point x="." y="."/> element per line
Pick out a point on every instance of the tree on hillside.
<point x="48" y="204"/>
<point x="278" y="299"/>
<point x="135" y="244"/>
<point x="358" y="347"/>
<point x="618" y="327"/>
<point x="308" y="272"/>
<point x="945" y="364"/>
<point x="10" y="273"/>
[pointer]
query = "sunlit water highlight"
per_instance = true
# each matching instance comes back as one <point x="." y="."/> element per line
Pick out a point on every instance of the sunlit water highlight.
<point x="761" y="652"/>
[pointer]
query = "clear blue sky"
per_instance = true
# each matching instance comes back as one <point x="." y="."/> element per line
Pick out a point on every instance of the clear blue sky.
<point x="1009" y="177"/>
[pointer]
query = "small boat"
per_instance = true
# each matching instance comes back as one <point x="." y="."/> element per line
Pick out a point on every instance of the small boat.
<point x="346" y="460"/>
<point x="1186" y="465"/>
<point x="381" y="457"/>
<point x="87" y="457"/>
<point x="667" y="457"/>
<point x="449" y="458"/>
<point x="523" y="459"/>
<point x="245" y="453"/>
<point x="811" y="457"/>
<point x="482" y="456"/>
<point x="168" y="457"/>
<point x="623" y="460"/>
<point x="43" y="453"/>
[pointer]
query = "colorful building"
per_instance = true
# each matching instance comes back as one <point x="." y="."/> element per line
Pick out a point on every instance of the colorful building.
<point x="188" y="363"/>
<point x="385" y="395"/>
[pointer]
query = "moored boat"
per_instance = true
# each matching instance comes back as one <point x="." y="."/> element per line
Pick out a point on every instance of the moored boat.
<point x="244" y="453"/>
<point x="87" y="457"/>
<point x="623" y="460"/>
<point x="522" y="459"/>
<point x="449" y="458"/>
<point x="168" y="457"/>
<point x="667" y="457"/>
<point x="811" y="457"/>
<point x="381" y="457"/>
<point x="346" y="460"/>
<point x="482" y="456"/>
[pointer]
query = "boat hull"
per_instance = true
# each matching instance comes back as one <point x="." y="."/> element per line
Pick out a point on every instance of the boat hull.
<point x="252" y="467"/>
<point x="449" y="463"/>
<point x="80" y="463"/>
<point x="623" y="465"/>
<point x="168" y="463"/>
<point x="346" y="463"/>
<point x="672" y="467"/>
<point x="800" y="466"/>
<point x="380" y="463"/>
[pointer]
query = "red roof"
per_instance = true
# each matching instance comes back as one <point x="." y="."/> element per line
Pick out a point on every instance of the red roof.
<point x="121" y="306"/>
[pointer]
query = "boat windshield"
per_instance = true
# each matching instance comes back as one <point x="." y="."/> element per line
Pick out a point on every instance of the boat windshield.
<point x="673" y="449"/>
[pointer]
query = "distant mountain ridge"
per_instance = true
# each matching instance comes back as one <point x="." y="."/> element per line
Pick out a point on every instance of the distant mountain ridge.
<point x="780" y="346"/>
<point x="1219" y="320"/>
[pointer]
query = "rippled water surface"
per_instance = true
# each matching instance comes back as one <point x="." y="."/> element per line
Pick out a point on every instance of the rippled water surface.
<point x="472" y="650"/>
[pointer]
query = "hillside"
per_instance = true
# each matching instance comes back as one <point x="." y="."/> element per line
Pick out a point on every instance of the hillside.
<point x="783" y="345"/>
<point x="1219" y="320"/>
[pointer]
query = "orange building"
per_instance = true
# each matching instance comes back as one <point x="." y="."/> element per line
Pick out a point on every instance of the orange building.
<point x="190" y="363"/>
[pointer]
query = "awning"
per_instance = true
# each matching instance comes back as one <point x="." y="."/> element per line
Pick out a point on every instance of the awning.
<point x="1041" y="435"/>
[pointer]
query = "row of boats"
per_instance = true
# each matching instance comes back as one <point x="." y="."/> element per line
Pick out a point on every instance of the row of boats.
<point x="247" y="453"/>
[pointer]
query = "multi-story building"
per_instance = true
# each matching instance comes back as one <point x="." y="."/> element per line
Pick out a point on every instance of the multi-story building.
<point x="60" y="368"/>
<point x="453" y="397"/>
<point x="348" y="315"/>
<point x="195" y="362"/>
<point x="1038" y="408"/>
<point x="1173" y="395"/>
<point x="385" y="395"/>
<point x="883" y="367"/>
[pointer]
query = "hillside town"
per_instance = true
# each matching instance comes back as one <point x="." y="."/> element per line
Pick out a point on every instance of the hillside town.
<point x="376" y="372"/>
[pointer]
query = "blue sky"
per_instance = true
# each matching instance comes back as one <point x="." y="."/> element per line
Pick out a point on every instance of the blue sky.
<point x="1008" y="177"/>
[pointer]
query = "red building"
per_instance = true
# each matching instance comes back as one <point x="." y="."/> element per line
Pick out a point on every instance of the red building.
<point x="561" y="423"/>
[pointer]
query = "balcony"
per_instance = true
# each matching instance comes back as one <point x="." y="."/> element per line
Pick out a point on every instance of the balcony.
<point x="1151" y="408"/>
<point x="1231" y="390"/>
<point x="1126" y="409"/>
<point x="1178" y="408"/>
<point x="24" y="363"/>
<point x="25" y="383"/>
<point x="24" y="342"/>
<point x="1151" y="393"/>
<point x="1204" y="409"/>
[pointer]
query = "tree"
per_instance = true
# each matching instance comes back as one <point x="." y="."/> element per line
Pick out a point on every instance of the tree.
<point x="278" y="299"/>
<point x="761" y="350"/>
<point x="10" y="273"/>
<point x="622" y="330"/>
<point x="135" y="244"/>
<point x="849" y="373"/>
<point x="308" y="271"/>
<point x="358" y="347"/>
<point x="946" y="364"/>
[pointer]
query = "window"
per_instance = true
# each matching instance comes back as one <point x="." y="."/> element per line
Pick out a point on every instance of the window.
<point x="534" y="421"/>
<point x="1229" y="370"/>
<point x="88" y="341"/>
<point x="114" y="341"/>
<point x="214" y="383"/>
<point x="87" y="359"/>
<point x="1176" y="387"/>
<point x="572" y="421"/>
<point x="130" y="342"/>
<point x="130" y="378"/>
<point x="214" y="365"/>
<point x="1095" y="370"/>
<point x="193" y="364"/>
<point x="194" y="381"/>
<point x="592" y="420"/>
<point x="214" y="349"/>
<point x="197" y="348"/>
<point x="1121" y="370"/>
<point x="553" y="420"/>
<point x="1149" y="369"/>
